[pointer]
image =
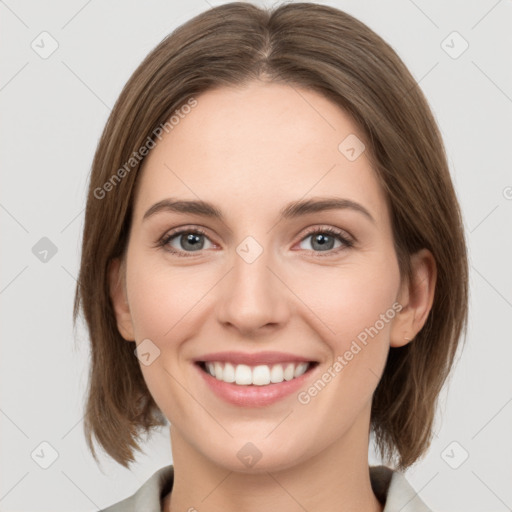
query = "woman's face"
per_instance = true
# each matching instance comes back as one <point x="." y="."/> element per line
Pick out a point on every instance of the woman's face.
<point x="268" y="284"/>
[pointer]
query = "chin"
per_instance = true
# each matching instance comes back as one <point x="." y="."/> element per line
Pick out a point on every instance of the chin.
<point x="256" y="458"/>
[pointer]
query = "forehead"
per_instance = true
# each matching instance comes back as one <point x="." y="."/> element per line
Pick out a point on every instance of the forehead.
<point x="258" y="147"/>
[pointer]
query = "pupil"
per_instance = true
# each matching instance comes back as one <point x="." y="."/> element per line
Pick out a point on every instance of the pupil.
<point x="193" y="240"/>
<point x="321" y="240"/>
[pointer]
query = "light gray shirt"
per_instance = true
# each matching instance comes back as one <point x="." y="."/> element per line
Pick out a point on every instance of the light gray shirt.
<point x="389" y="486"/>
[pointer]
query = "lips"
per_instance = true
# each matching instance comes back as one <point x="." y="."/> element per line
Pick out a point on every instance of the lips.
<point x="257" y="379"/>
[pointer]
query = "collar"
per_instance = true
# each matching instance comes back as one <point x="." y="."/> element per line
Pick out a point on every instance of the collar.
<point x="389" y="486"/>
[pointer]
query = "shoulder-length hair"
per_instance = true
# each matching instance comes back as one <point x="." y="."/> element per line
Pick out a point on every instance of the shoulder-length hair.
<point x="328" y="51"/>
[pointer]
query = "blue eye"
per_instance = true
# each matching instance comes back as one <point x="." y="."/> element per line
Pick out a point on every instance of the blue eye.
<point x="192" y="241"/>
<point x="323" y="241"/>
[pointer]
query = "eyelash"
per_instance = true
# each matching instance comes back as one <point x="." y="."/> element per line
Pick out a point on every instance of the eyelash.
<point x="313" y="231"/>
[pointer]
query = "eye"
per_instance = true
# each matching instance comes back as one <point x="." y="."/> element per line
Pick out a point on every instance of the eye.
<point x="324" y="239"/>
<point x="176" y="242"/>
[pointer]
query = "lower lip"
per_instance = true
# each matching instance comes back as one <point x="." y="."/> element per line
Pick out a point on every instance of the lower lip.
<point x="252" y="395"/>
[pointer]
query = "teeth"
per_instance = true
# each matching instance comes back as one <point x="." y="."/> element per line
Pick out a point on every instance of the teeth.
<point x="300" y="369"/>
<point x="243" y="374"/>
<point x="276" y="374"/>
<point x="229" y="373"/>
<point x="288" y="371"/>
<point x="218" y="369"/>
<point x="260" y="375"/>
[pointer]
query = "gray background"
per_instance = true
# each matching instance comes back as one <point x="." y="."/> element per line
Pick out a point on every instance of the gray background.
<point x="52" y="112"/>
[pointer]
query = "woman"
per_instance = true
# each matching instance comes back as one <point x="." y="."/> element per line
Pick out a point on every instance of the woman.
<point x="273" y="261"/>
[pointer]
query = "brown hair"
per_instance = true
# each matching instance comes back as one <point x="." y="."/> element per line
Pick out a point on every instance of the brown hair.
<point x="325" y="50"/>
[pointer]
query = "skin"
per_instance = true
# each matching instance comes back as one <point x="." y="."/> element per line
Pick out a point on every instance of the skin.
<point x="251" y="150"/>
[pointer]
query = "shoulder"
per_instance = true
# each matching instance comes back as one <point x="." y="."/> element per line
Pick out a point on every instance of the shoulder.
<point x="149" y="496"/>
<point x="394" y="491"/>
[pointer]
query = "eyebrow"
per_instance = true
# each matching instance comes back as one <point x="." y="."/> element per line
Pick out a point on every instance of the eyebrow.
<point x="293" y="210"/>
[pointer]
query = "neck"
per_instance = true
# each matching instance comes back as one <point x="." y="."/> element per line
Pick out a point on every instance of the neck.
<point x="334" y="480"/>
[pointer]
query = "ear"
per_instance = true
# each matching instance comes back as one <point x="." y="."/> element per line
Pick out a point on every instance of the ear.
<point x="119" y="299"/>
<point x="416" y="298"/>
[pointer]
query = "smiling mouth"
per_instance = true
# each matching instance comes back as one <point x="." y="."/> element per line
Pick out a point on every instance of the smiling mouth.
<point x="258" y="375"/>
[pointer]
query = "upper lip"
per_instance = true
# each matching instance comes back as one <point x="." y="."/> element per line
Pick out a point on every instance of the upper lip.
<point x="253" y="358"/>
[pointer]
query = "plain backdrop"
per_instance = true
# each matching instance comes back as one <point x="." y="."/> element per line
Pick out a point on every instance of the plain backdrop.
<point x="53" y="109"/>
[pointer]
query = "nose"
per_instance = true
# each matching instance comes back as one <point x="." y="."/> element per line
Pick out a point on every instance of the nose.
<point x="252" y="296"/>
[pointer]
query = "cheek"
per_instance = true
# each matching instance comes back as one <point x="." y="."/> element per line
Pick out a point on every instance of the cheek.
<point x="356" y="304"/>
<point x="163" y="300"/>
<point x="349" y="300"/>
<point x="164" y="303"/>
